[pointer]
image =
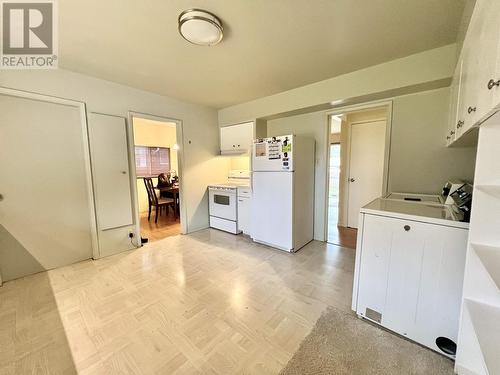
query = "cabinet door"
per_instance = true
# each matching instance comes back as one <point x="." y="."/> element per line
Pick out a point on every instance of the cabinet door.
<point x="492" y="12"/>
<point x="228" y="138"/>
<point x="110" y="166"/>
<point x="489" y="33"/>
<point x="470" y="74"/>
<point x="454" y="124"/>
<point x="237" y="137"/>
<point x="244" y="212"/>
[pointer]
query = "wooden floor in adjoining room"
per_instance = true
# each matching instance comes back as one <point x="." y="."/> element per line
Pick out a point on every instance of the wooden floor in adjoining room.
<point x="342" y="236"/>
<point x="205" y="303"/>
<point x="167" y="225"/>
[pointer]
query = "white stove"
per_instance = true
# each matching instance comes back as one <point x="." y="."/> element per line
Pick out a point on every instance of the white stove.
<point x="223" y="205"/>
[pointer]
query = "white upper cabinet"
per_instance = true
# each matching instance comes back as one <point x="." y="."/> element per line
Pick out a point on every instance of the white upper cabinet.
<point x="236" y="139"/>
<point x="491" y="85"/>
<point x="475" y="91"/>
<point x="484" y="32"/>
<point x="454" y="122"/>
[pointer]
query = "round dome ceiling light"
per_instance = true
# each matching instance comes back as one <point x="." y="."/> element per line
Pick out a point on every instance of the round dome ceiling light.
<point x="200" y="27"/>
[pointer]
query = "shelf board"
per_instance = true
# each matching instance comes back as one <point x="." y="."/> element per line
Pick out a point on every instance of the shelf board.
<point x="490" y="257"/>
<point x="493" y="190"/>
<point x="486" y="322"/>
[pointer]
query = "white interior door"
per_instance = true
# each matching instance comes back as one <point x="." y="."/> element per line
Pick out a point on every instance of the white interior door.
<point x="366" y="166"/>
<point x="108" y="143"/>
<point x="44" y="205"/>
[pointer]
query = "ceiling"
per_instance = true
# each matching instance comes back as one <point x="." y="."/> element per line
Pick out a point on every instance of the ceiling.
<point x="269" y="46"/>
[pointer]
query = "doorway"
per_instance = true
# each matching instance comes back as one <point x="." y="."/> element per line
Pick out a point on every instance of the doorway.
<point x="357" y="167"/>
<point x="157" y="171"/>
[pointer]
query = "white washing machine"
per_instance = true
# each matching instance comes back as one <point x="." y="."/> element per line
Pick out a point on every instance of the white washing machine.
<point x="410" y="262"/>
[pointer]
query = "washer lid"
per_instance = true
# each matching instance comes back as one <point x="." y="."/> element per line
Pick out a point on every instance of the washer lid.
<point x="431" y="213"/>
<point x="415" y="198"/>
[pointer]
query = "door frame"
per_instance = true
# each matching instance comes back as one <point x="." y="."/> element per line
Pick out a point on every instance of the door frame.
<point x="179" y="135"/>
<point x="387" y="153"/>
<point x="86" y="152"/>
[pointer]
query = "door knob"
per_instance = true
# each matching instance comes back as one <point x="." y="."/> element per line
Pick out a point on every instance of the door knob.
<point x="124" y="172"/>
<point x="407" y="228"/>
<point x="492" y="83"/>
<point x="352" y="179"/>
<point x="1" y="197"/>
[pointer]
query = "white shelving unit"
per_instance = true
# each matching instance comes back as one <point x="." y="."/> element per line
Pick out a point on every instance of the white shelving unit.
<point x="490" y="258"/>
<point x="485" y="320"/>
<point x="479" y="335"/>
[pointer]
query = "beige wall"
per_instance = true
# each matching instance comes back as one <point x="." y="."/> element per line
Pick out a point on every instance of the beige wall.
<point x="240" y="162"/>
<point x="201" y="164"/>
<point x="419" y="161"/>
<point x="154" y="134"/>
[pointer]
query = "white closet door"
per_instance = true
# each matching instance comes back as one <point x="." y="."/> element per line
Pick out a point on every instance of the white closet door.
<point x="110" y="166"/>
<point x="44" y="210"/>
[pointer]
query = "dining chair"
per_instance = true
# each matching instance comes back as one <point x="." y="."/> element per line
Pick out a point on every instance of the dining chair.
<point x="164" y="181"/>
<point x="154" y="201"/>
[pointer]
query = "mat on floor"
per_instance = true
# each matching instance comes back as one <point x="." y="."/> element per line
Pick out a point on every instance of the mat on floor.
<point x="341" y="343"/>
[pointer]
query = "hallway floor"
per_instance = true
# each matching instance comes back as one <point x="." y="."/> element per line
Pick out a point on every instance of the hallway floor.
<point x="167" y="226"/>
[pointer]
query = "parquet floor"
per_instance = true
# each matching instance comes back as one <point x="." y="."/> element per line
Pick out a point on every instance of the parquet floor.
<point x="206" y="303"/>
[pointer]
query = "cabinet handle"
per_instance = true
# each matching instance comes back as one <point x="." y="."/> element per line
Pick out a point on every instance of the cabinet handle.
<point x="452" y="132"/>
<point x="492" y="83"/>
<point x="448" y="137"/>
<point x="460" y="124"/>
<point x="471" y="109"/>
<point x="407" y="228"/>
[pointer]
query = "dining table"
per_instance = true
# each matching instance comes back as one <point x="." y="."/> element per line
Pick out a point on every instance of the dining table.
<point x="174" y="190"/>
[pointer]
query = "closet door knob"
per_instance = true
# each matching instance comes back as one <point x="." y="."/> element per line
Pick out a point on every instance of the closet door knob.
<point x="492" y="83"/>
<point x="448" y="137"/>
<point x="460" y="124"/>
<point x="352" y="179"/>
<point x="452" y="132"/>
<point x="471" y="109"/>
<point x="1" y="197"/>
<point x="407" y="228"/>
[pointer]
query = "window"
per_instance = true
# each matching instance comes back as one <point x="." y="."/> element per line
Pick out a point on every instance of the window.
<point x="151" y="161"/>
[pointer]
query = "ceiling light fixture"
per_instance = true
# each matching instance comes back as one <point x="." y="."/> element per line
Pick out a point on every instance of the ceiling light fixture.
<point x="200" y="27"/>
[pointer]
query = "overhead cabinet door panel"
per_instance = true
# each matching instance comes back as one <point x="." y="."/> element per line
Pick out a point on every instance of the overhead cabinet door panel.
<point x="110" y="167"/>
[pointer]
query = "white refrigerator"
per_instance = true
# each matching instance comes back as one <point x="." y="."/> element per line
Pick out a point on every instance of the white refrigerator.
<point x="283" y="191"/>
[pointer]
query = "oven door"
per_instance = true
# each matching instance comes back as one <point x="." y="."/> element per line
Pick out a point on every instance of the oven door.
<point x="222" y="203"/>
